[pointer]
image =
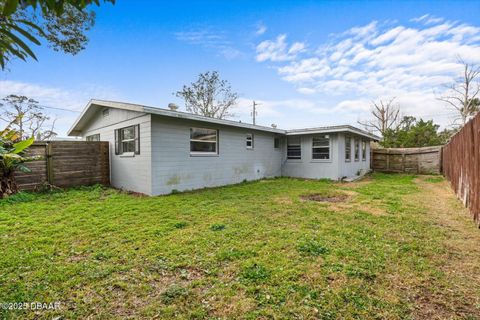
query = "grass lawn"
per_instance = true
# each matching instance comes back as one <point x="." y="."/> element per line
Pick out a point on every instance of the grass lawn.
<point x="397" y="246"/>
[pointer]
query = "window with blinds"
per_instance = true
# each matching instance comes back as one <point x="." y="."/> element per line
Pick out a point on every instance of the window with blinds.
<point x="294" y="148"/>
<point x="321" y="147"/>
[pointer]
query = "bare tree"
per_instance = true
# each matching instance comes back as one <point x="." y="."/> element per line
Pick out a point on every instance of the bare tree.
<point x="386" y="116"/>
<point x="462" y="94"/>
<point x="209" y="96"/>
<point x="27" y="117"/>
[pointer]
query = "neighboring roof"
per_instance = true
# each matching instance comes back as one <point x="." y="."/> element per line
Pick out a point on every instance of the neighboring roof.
<point x="94" y="105"/>
<point x="329" y="129"/>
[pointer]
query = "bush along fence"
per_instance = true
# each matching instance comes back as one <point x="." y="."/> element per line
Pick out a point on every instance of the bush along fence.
<point x="426" y="160"/>
<point x="66" y="164"/>
<point x="461" y="165"/>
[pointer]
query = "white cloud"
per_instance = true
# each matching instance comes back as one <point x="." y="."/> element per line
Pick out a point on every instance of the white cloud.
<point x="261" y="29"/>
<point x="362" y="32"/>
<point x="427" y="19"/>
<point x="380" y="59"/>
<point x="53" y="98"/>
<point x="278" y="49"/>
<point x="211" y="40"/>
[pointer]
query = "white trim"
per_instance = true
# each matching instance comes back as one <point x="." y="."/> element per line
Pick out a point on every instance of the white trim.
<point x="332" y="129"/>
<point x="355" y="158"/>
<point x="204" y="153"/>
<point x="94" y="104"/>
<point x="349" y="137"/>
<point x="127" y="155"/>
<point x="300" y="145"/>
<point x="252" y="145"/>
<point x="329" y="149"/>
<point x="364" y="143"/>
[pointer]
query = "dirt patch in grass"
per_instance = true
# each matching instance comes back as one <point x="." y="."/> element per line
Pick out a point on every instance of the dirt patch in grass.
<point x="284" y="200"/>
<point x="74" y="258"/>
<point x="324" y="198"/>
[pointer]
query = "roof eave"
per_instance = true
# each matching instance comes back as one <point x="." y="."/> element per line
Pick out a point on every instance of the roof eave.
<point x="194" y="117"/>
<point x="76" y="129"/>
<point x="333" y="130"/>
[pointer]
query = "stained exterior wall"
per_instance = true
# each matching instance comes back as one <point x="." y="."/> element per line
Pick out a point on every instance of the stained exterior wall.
<point x="165" y="163"/>
<point x="306" y="167"/>
<point x="174" y="168"/>
<point x="352" y="168"/>
<point x="129" y="173"/>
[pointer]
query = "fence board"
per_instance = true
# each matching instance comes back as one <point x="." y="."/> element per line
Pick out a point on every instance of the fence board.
<point x="409" y="160"/>
<point x="461" y="165"/>
<point x="66" y="164"/>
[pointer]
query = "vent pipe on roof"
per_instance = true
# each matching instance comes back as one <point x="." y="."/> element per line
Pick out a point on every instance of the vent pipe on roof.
<point x="172" y="106"/>
<point x="274" y="126"/>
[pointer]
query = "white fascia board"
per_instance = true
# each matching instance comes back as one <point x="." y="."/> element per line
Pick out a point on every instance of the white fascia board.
<point x="332" y="130"/>
<point x="194" y="117"/>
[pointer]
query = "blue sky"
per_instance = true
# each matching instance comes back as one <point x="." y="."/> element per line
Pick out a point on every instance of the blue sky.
<point x="309" y="63"/>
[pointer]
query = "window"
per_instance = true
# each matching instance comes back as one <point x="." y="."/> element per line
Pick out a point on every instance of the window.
<point x="357" y="149"/>
<point x="94" y="137"/>
<point x="364" y="150"/>
<point x="106" y="112"/>
<point x="127" y="140"/>
<point x="276" y="143"/>
<point x="294" y="149"/>
<point x="249" y="141"/>
<point x="321" y="147"/>
<point x="348" y="148"/>
<point x="203" y="141"/>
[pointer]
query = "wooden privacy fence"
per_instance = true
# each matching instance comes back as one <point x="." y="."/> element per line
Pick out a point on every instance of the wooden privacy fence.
<point x="426" y="160"/>
<point x="461" y="165"/>
<point x="66" y="164"/>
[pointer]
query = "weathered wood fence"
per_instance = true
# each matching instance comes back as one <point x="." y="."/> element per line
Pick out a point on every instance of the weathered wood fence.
<point x="426" y="160"/>
<point x="461" y="165"/>
<point x="66" y="164"/>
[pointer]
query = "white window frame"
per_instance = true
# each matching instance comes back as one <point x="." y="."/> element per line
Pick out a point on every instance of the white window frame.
<point x="324" y="136"/>
<point x="93" y="137"/>
<point x="204" y="153"/>
<point x="118" y="133"/>
<point x="349" y="152"/>
<point x="249" y="138"/>
<point x="299" y="145"/>
<point x="122" y="140"/>
<point x="364" y="150"/>
<point x="356" y="149"/>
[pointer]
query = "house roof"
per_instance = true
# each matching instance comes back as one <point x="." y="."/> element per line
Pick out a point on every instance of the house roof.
<point x="331" y="129"/>
<point x="94" y="105"/>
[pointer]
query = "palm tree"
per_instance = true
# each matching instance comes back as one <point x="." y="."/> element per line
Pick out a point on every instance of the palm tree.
<point x="12" y="158"/>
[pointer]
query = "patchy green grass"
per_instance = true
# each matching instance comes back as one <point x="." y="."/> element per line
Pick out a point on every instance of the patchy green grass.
<point x="434" y="179"/>
<point x="248" y="251"/>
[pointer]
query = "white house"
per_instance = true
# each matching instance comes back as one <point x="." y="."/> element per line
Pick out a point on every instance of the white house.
<point x="155" y="151"/>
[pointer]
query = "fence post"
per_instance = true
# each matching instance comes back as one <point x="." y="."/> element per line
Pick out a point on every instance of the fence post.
<point x="440" y="165"/>
<point x="388" y="160"/>
<point x="49" y="154"/>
